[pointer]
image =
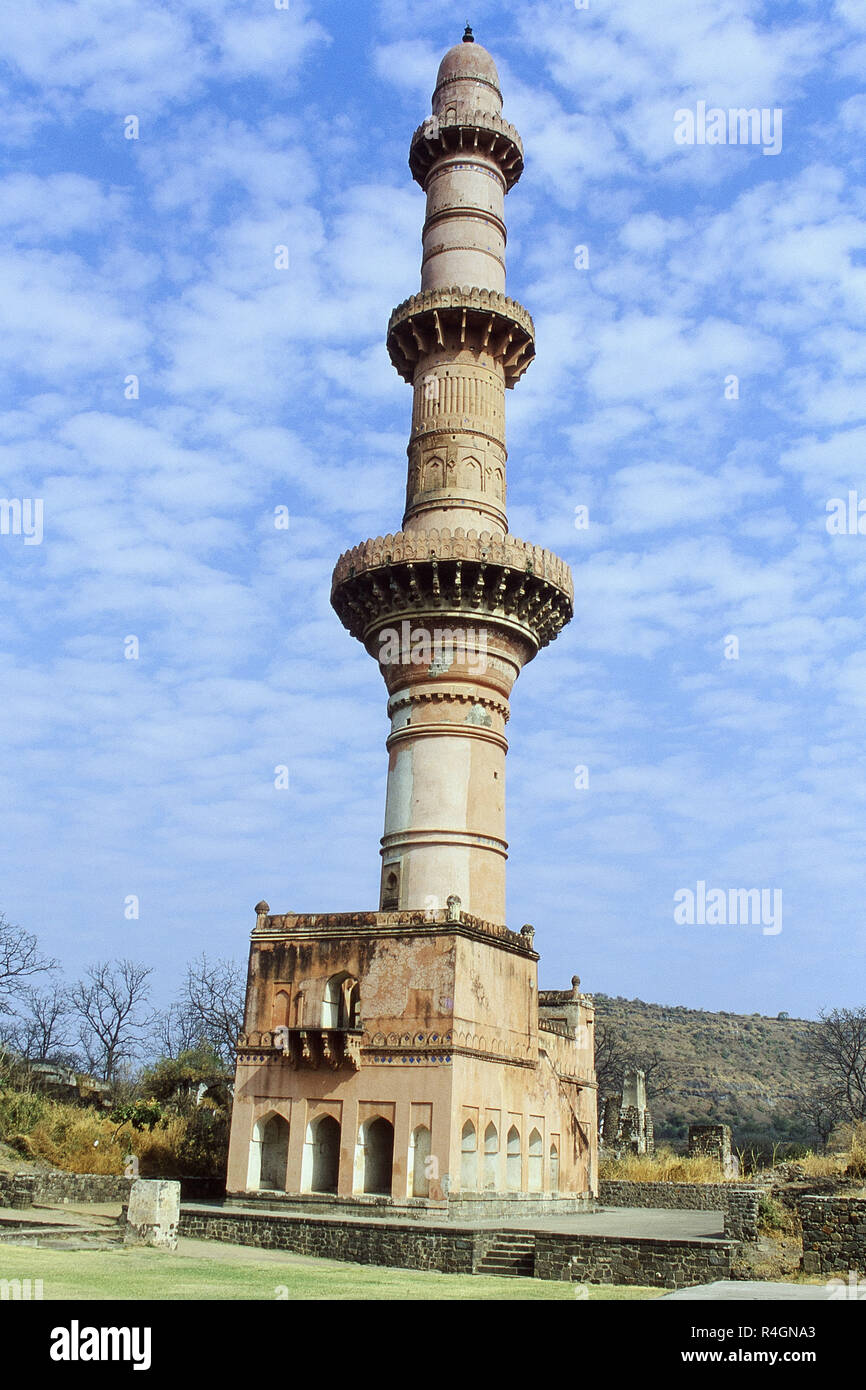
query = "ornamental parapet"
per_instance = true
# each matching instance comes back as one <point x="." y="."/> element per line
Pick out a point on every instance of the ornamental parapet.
<point x="419" y="921"/>
<point x="469" y="131"/>
<point x="451" y="319"/>
<point x="443" y="544"/>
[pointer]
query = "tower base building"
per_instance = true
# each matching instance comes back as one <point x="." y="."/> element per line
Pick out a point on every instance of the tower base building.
<point x="406" y="1056"/>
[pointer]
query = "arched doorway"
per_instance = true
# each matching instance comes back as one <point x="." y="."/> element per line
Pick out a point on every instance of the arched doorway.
<point x="321" y="1163"/>
<point x="513" y="1160"/>
<point x="536" y="1162"/>
<point x="491" y="1158"/>
<point x="419" y="1153"/>
<point x="375" y="1158"/>
<point x="468" y="1158"/>
<point x="269" y="1154"/>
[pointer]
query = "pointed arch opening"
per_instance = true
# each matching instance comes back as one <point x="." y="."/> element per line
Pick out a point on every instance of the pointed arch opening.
<point x="419" y="1166"/>
<point x="513" y="1160"/>
<point x="491" y="1158"/>
<point x="536" y="1161"/>
<point x="341" y="1006"/>
<point x="554" y="1166"/>
<point x="469" y="1158"/>
<point x="321" y="1162"/>
<point x="374" y="1157"/>
<point x="269" y="1154"/>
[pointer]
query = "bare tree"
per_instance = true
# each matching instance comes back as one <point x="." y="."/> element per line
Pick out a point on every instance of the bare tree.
<point x="111" y="1007"/>
<point x="41" y="1030"/>
<point x="823" y="1108"/>
<point x="610" y="1060"/>
<point x="213" y="1003"/>
<point x="659" y="1082"/>
<point x="175" y="1030"/>
<point x="613" y="1058"/>
<point x="838" y="1053"/>
<point x="20" y="960"/>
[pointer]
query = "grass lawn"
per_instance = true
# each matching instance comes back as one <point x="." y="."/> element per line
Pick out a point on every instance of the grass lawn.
<point x="207" y="1270"/>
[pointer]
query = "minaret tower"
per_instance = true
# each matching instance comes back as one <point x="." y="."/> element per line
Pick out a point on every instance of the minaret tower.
<point x="407" y="1055"/>
<point x="453" y="606"/>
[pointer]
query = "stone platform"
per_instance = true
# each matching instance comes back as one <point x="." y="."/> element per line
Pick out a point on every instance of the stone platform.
<point x="664" y="1249"/>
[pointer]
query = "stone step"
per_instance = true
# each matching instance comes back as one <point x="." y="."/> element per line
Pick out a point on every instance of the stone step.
<point x="512" y="1255"/>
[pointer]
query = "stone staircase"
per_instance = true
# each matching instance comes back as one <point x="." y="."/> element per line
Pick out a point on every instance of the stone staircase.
<point x="512" y="1255"/>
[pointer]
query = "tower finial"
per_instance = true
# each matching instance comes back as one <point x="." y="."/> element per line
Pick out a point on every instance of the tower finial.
<point x="468" y="36"/>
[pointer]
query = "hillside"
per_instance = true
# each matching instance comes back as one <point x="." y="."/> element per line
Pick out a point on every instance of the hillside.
<point x="744" y="1070"/>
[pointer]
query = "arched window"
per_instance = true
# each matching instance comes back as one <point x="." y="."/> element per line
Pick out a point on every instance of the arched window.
<point x="536" y="1162"/>
<point x="341" y="1007"/>
<point x="491" y="1158"/>
<point x="468" y="1158"/>
<point x="554" y="1167"/>
<point x="513" y="1172"/>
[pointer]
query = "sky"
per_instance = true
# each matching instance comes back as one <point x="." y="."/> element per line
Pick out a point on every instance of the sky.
<point x="169" y="379"/>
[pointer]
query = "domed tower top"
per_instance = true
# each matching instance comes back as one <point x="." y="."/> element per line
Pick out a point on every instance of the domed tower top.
<point x="467" y="80"/>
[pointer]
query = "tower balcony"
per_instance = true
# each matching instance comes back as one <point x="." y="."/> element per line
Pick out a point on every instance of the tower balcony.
<point x="436" y="573"/>
<point x="451" y="320"/>
<point x="305" y="1047"/>
<point x="468" y="132"/>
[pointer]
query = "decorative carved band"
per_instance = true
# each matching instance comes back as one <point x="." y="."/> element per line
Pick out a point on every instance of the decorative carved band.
<point x="410" y="733"/>
<point x="417" y="697"/>
<point x="443" y="398"/>
<point x="462" y="131"/>
<point x="464" y="839"/>
<point x="456" y="318"/>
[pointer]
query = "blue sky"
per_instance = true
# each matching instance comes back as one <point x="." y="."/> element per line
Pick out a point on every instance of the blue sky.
<point x="262" y="387"/>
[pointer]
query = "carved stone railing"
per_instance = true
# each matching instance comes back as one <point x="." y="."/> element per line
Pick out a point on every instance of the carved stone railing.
<point x="443" y="544"/>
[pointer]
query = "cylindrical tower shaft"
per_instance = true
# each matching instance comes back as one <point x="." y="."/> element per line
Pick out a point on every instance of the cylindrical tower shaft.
<point x="453" y="606"/>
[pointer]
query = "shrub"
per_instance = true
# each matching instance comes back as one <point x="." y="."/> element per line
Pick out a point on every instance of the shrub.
<point x="141" y="1114"/>
<point x="20" y="1111"/>
<point x="771" y="1216"/>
